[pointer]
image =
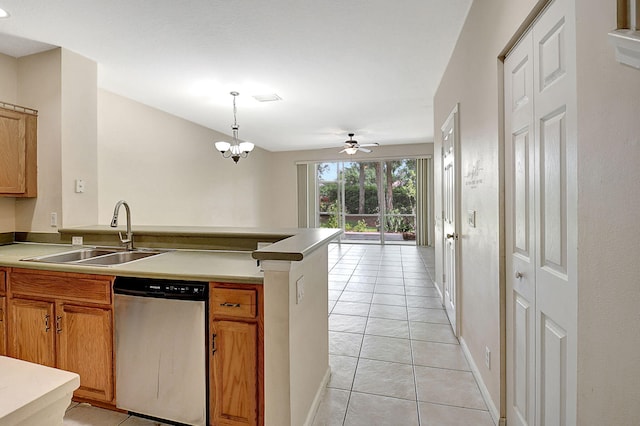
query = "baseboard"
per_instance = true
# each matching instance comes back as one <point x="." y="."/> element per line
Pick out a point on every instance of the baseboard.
<point x="495" y="414"/>
<point x="318" y="398"/>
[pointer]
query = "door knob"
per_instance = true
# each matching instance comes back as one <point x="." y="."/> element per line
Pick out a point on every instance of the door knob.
<point x="519" y="275"/>
<point x="450" y="236"/>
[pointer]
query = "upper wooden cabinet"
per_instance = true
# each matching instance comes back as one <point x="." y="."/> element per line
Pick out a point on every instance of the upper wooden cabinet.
<point x="18" y="153"/>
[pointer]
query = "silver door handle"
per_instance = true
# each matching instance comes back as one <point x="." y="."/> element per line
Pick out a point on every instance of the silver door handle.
<point x="519" y="275"/>
<point x="450" y="236"/>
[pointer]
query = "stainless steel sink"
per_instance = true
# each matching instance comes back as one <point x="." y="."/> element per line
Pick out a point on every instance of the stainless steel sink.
<point x="118" y="258"/>
<point x="96" y="256"/>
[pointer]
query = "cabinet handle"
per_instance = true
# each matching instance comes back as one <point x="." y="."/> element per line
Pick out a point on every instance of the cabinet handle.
<point x="213" y="344"/>
<point x="230" y="305"/>
<point x="46" y="323"/>
<point x="58" y="321"/>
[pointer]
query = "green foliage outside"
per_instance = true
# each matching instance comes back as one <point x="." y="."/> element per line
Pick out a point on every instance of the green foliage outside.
<point x="399" y="185"/>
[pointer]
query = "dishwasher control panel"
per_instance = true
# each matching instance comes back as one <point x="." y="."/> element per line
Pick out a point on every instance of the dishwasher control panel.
<point x="166" y="289"/>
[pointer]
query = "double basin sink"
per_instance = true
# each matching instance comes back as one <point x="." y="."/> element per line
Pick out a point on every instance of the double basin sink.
<point x="95" y="256"/>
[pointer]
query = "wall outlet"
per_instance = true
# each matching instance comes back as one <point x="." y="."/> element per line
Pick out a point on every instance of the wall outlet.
<point x="79" y="186"/>
<point x="487" y="357"/>
<point x="76" y="241"/>
<point x="299" y="290"/>
<point x="53" y="219"/>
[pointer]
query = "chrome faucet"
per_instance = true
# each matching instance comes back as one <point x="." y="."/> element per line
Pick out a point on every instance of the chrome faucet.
<point x="127" y="242"/>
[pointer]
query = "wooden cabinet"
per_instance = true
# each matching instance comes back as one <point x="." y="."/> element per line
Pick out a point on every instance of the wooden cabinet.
<point x="65" y="320"/>
<point x="3" y="315"/>
<point x="236" y="356"/>
<point x="33" y="337"/>
<point x="18" y="153"/>
<point x="85" y="347"/>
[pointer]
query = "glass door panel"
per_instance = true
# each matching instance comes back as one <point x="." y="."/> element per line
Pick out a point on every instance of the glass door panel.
<point x="399" y="201"/>
<point x="361" y="215"/>
<point x="371" y="201"/>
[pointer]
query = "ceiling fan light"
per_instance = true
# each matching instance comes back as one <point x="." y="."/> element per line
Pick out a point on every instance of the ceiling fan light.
<point x="246" y="146"/>
<point x="351" y="151"/>
<point x="222" y="146"/>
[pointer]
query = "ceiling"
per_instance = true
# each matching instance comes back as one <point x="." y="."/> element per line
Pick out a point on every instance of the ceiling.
<point x="365" y="66"/>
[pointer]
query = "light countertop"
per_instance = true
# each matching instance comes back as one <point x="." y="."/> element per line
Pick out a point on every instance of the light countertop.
<point x="197" y="265"/>
<point x="291" y="244"/>
<point x="27" y="388"/>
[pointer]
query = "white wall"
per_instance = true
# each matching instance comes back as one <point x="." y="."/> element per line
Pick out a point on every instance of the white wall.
<point x="167" y="169"/>
<point x="283" y="175"/>
<point x="608" y="229"/>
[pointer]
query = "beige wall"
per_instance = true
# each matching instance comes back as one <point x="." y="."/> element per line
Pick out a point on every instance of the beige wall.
<point x="608" y="229"/>
<point x="170" y="173"/>
<point x="8" y="93"/>
<point x="79" y="139"/>
<point x="39" y="87"/>
<point x="283" y="176"/>
<point x="608" y="177"/>
<point x="472" y="79"/>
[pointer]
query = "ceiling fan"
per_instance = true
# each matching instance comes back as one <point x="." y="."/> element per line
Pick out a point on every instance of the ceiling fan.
<point x="352" y="146"/>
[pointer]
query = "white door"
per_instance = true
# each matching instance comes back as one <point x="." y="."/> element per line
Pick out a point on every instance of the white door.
<point x="540" y="221"/>
<point x="520" y="232"/>
<point x="449" y="215"/>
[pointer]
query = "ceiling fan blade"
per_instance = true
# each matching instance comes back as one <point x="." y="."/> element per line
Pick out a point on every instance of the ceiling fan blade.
<point x="344" y="150"/>
<point x="370" y="144"/>
<point x="364" y="149"/>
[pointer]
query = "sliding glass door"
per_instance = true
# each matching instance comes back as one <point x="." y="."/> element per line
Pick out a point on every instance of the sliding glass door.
<point x="372" y="201"/>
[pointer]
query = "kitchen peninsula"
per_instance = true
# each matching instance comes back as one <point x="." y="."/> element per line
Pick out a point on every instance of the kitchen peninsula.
<point x="290" y="268"/>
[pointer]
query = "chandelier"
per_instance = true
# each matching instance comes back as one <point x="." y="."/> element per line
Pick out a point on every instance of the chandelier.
<point x="235" y="150"/>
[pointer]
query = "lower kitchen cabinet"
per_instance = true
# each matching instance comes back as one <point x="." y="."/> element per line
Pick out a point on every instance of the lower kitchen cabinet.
<point x="236" y="355"/>
<point x="32" y="334"/>
<point x="64" y="320"/>
<point x="3" y="315"/>
<point x="3" y="329"/>
<point x="85" y="347"/>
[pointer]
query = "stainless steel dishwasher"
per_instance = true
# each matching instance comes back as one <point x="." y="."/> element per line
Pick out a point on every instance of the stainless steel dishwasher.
<point x="160" y="332"/>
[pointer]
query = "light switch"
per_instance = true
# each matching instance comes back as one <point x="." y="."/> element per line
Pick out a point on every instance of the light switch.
<point x="299" y="290"/>
<point x="472" y="218"/>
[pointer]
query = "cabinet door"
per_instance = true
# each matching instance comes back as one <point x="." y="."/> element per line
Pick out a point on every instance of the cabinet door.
<point x="3" y="325"/>
<point x="32" y="331"/>
<point x="234" y="393"/>
<point x="85" y="346"/>
<point x="17" y="154"/>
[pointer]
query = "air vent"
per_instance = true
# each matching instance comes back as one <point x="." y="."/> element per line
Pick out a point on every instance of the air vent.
<point x="267" y="98"/>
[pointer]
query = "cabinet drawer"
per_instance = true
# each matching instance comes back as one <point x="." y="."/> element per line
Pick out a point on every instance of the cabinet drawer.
<point x="234" y="303"/>
<point x="61" y="285"/>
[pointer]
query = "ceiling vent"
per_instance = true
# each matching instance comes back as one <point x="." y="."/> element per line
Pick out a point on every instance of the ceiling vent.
<point x="267" y="98"/>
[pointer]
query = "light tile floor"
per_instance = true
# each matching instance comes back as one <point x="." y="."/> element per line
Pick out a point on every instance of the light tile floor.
<point x="393" y="356"/>
<point x="394" y="359"/>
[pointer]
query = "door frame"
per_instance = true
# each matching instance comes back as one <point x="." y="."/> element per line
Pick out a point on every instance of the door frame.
<point x="453" y="121"/>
